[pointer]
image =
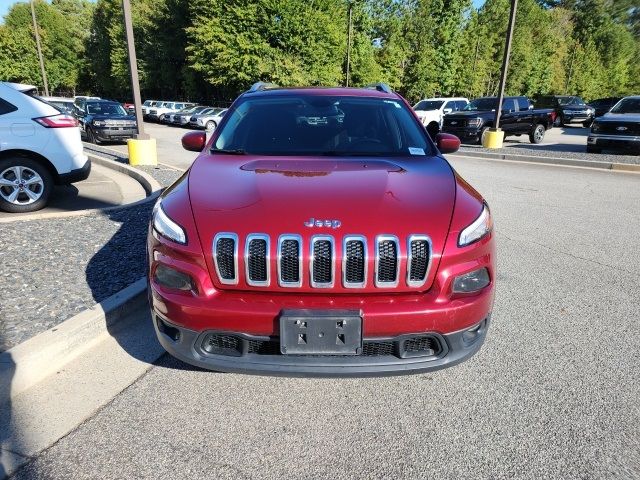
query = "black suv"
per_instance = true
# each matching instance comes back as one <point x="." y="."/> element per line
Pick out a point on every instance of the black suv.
<point x="568" y="109"/>
<point x="603" y="105"/>
<point x="104" y="120"/>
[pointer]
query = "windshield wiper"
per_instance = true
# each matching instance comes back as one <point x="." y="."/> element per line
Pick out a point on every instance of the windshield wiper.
<point x="231" y="151"/>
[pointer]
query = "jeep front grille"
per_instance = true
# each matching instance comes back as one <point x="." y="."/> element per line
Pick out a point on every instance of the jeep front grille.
<point x="325" y="262"/>
<point x="225" y="254"/>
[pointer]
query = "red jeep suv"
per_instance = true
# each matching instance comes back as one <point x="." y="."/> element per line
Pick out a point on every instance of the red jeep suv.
<point x="321" y="232"/>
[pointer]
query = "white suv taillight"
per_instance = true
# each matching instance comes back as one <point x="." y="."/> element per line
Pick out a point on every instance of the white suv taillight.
<point x="57" y="121"/>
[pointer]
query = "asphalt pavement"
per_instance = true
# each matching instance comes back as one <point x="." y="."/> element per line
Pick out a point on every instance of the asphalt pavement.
<point x="554" y="392"/>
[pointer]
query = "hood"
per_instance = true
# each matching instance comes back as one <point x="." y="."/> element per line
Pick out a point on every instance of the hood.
<point x="467" y="114"/>
<point x="620" y="117"/>
<point x="428" y="114"/>
<point x="277" y="195"/>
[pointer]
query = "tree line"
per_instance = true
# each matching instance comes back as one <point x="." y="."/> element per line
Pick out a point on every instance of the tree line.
<point x="205" y="50"/>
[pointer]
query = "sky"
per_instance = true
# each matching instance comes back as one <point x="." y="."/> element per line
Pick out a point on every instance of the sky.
<point x="6" y="4"/>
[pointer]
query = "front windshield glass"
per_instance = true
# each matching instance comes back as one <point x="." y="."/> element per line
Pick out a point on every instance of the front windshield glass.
<point x="482" y="104"/>
<point x="322" y="125"/>
<point x="627" y="105"/>
<point x="564" y="101"/>
<point x="102" y="108"/>
<point x="428" y="105"/>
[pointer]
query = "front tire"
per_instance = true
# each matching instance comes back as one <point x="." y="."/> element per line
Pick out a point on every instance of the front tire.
<point x="161" y="118"/>
<point x="483" y="133"/>
<point x="91" y="137"/>
<point x="558" y="122"/>
<point x="537" y="135"/>
<point x="211" y="126"/>
<point x="25" y="185"/>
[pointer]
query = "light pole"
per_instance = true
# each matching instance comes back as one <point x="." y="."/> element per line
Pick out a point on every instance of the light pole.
<point x="133" y="69"/>
<point x="505" y="62"/>
<point x="39" y="48"/>
<point x="349" y="30"/>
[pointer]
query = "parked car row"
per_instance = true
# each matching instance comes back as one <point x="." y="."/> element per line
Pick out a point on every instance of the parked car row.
<point x="190" y="115"/>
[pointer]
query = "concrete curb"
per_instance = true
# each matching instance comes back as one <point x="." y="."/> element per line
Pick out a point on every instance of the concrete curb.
<point x="567" y="162"/>
<point x="30" y="362"/>
<point x="150" y="185"/>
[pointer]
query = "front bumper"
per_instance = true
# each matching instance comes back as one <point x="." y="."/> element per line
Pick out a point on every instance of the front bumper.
<point x="454" y="348"/>
<point x="465" y="134"/>
<point x="622" y="142"/>
<point x="110" y="134"/>
<point x="576" y="117"/>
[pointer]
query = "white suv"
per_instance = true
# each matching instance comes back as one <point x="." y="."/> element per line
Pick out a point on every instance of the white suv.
<point x="431" y="111"/>
<point x="39" y="148"/>
<point x="159" y="112"/>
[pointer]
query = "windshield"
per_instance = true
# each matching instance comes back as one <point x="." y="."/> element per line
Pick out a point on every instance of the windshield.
<point x="428" y="105"/>
<point x="564" y="101"/>
<point x="102" y="108"/>
<point x="322" y="125"/>
<point x="489" y="103"/>
<point x="627" y="105"/>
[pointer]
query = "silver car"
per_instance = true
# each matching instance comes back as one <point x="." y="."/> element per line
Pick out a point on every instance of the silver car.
<point x="211" y="120"/>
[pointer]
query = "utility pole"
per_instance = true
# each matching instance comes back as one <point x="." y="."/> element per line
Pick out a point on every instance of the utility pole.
<point x="39" y="47"/>
<point x="349" y="33"/>
<point x="133" y="69"/>
<point x="505" y="62"/>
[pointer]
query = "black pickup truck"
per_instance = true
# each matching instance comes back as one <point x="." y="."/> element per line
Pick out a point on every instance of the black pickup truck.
<point x="518" y="118"/>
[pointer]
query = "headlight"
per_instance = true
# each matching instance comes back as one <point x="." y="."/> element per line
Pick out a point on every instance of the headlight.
<point x="589" y="111"/>
<point x="99" y="123"/>
<point x="167" y="227"/>
<point x="478" y="229"/>
<point x="475" y="122"/>
<point x="568" y="112"/>
<point x="595" y="127"/>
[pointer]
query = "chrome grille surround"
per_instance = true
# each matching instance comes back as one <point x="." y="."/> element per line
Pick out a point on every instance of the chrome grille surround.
<point x="312" y="260"/>
<point x="247" y="258"/>
<point x="345" y="259"/>
<point x="381" y="240"/>
<point x="410" y="259"/>
<point x="281" y="240"/>
<point x="234" y="237"/>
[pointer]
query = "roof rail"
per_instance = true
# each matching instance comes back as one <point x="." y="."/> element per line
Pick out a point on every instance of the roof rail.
<point x="379" y="86"/>
<point x="258" y="86"/>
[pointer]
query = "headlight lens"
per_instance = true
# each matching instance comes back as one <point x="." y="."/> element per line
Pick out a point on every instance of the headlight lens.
<point x="595" y="127"/>
<point x="589" y="111"/>
<point x="472" y="281"/>
<point x="478" y="229"/>
<point x="99" y="123"/>
<point x="475" y="122"/>
<point x="167" y="227"/>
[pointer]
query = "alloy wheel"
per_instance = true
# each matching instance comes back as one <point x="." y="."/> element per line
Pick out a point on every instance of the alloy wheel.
<point x="21" y="185"/>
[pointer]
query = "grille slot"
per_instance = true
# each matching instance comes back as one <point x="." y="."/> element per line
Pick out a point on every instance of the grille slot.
<point x="290" y="261"/>
<point x="387" y="262"/>
<point x="420" y="346"/>
<point x="257" y="260"/>
<point x="419" y="249"/>
<point x="322" y="262"/>
<point x="225" y="254"/>
<point x="354" y="262"/>
<point x="375" y="349"/>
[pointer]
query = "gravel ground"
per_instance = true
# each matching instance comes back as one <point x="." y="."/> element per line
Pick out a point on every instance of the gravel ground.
<point x="547" y="151"/>
<point x="63" y="266"/>
<point x="553" y="394"/>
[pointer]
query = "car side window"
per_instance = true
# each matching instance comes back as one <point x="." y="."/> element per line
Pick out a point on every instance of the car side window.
<point x="509" y="105"/>
<point x="6" y="107"/>
<point x="523" y="104"/>
<point x="460" y="104"/>
<point x="451" y="105"/>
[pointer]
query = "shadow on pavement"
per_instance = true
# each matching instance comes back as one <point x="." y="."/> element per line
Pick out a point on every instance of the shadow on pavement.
<point x="118" y="264"/>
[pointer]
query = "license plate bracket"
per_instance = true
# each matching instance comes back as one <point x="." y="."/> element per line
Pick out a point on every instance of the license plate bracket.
<point x="321" y="332"/>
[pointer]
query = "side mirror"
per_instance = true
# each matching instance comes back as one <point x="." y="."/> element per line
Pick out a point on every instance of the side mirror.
<point x="194" y="141"/>
<point x="447" y="110"/>
<point x="447" y="143"/>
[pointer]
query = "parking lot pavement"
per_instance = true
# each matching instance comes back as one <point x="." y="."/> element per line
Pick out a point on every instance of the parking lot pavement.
<point x="552" y="394"/>
<point x="103" y="188"/>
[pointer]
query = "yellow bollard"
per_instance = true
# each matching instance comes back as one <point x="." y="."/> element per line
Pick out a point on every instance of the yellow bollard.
<point x="142" y="152"/>
<point x="493" y="138"/>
